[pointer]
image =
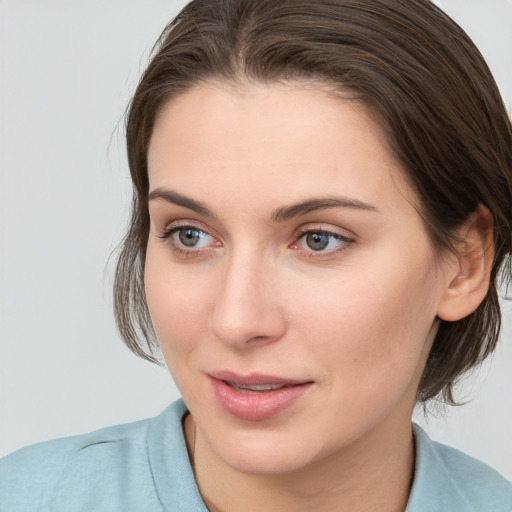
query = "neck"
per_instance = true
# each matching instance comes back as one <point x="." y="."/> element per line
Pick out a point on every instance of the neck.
<point x="374" y="474"/>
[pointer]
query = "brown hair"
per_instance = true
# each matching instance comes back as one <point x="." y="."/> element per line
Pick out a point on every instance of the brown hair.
<point x="408" y="61"/>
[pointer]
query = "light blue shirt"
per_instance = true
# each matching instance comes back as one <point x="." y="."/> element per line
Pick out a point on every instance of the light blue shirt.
<point x="144" y="466"/>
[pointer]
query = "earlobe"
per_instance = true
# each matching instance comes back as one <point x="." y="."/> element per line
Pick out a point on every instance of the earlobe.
<point x="468" y="273"/>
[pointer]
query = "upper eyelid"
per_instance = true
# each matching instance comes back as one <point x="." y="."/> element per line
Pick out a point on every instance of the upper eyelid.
<point x="322" y="228"/>
<point x="186" y="223"/>
<point x="305" y="231"/>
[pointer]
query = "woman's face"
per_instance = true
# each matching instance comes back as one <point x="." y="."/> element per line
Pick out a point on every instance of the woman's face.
<point x="291" y="283"/>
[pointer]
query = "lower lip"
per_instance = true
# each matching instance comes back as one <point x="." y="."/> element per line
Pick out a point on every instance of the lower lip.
<point x="257" y="406"/>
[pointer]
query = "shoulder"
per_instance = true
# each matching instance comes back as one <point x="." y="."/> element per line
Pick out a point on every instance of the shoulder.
<point x="65" y="472"/>
<point x="447" y="479"/>
<point x="31" y="475"/>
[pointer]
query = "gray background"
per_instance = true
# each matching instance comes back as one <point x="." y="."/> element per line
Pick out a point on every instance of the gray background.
<point x="67" y="70"/>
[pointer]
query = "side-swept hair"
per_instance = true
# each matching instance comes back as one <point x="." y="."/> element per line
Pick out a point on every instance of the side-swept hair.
<point x="412" y="65"/>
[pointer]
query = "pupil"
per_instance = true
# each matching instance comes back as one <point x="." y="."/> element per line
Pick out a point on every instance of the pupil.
<point x="189" y="237"/>
<point x="317" y="241"/>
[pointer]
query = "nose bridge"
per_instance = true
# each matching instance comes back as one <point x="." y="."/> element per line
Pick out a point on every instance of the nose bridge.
<point x="245" y="306"/>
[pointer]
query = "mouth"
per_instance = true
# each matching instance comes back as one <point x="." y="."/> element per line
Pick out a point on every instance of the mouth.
<point x="256" y="388"/>
<point x="256" y="397"/>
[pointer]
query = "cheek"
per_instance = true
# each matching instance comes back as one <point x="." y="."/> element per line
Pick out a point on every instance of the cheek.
<point x="178" y="302"/>
<point x="370" y="327"/>
<point x="370" y="339"/>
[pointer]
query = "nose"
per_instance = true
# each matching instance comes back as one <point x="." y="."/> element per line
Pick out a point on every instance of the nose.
<point x="247" y="312"/>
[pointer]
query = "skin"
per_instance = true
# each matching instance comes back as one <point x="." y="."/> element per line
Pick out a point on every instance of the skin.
<point x="357" y="318"/>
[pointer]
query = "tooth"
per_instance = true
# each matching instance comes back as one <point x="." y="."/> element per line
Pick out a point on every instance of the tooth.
<point x="257" y="387"/>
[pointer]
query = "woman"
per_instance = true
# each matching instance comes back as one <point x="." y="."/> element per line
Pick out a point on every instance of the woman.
<point x="320" y="218"/>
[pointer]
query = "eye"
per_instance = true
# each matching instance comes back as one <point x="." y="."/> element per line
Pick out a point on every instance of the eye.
<point x="191" y="237"/>
<point x="320" y="241"/>
<point x="188" y="239"/>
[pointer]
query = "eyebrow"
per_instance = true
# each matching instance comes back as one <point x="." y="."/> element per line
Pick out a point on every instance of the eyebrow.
<point x="174" y="198"/>
<point x="323" y="203"/>
<point x="279" y="215"/>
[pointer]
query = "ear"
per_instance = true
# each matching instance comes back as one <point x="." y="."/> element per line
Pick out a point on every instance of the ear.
<point x="468" y="272"/>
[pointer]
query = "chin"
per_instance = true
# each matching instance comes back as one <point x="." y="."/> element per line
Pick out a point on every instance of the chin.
<point x="260" y="456"/>
<point x="271" y="465"/>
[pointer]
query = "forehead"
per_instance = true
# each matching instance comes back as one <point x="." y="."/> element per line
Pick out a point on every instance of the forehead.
<point x="280" y="140"/>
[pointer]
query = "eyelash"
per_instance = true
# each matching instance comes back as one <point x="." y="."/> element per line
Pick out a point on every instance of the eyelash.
<point x="303" y="233"/>
<point x="167" y="237"/>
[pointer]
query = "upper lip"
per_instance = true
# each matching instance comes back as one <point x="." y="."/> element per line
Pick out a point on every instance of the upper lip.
<point x="254" y="379"/>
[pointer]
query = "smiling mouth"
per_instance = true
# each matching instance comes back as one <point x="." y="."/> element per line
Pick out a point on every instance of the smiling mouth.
<point x="256" y="397"/>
